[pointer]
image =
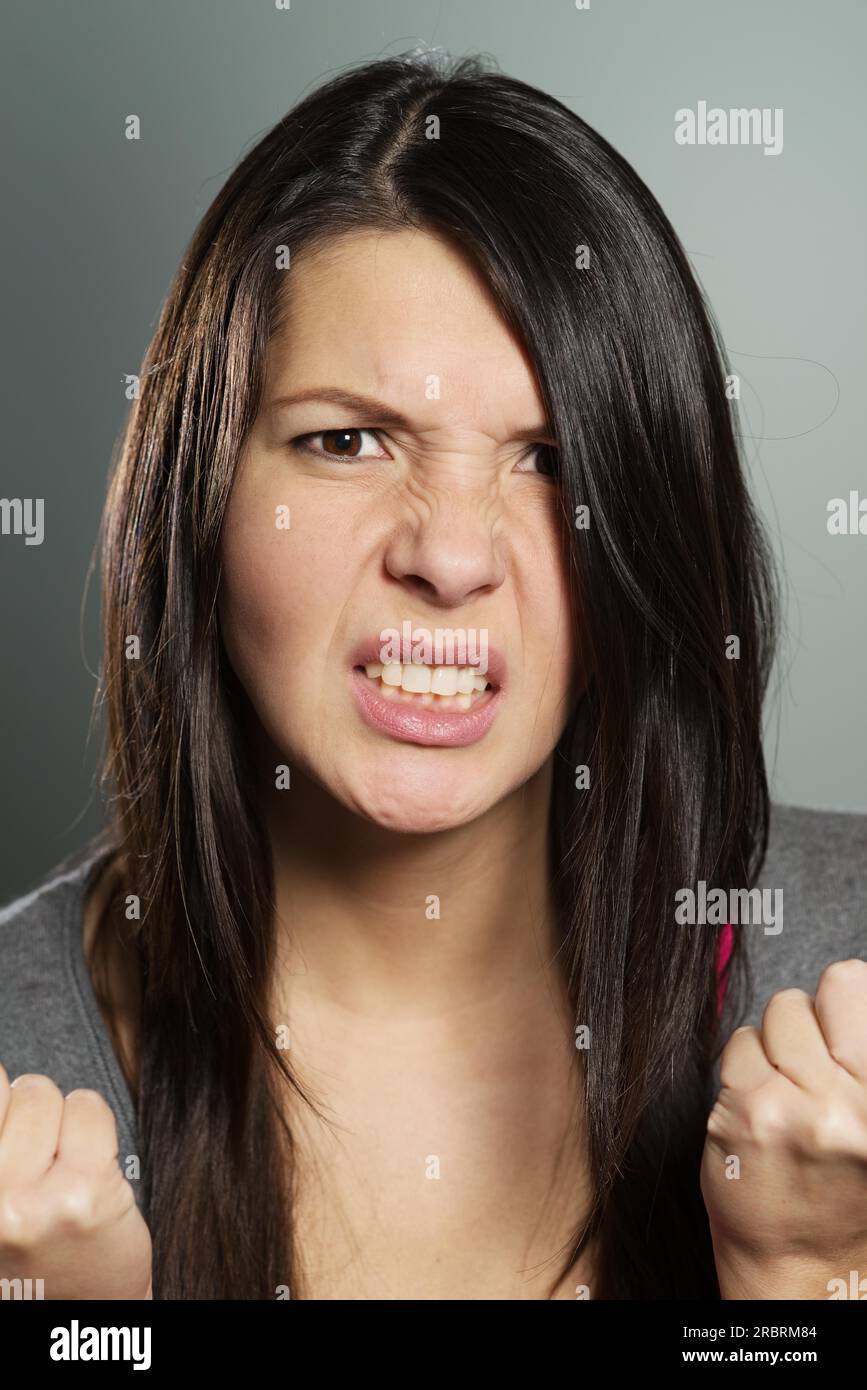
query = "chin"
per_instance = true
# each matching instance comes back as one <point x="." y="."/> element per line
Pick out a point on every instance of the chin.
<point x="413" y="807"/>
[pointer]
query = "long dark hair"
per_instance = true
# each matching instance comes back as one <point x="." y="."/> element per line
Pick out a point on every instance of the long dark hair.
<point x="672" y="564"/>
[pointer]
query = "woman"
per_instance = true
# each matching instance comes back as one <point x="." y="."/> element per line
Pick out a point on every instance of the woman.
<point x="385" y="930"/>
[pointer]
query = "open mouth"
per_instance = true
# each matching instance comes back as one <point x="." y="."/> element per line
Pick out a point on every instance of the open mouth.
<point x="434" y="687"/>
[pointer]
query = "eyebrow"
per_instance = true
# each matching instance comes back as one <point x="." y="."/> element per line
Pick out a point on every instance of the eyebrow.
<point x="372" y="409"/>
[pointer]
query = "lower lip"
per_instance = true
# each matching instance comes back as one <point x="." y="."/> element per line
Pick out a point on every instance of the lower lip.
<point x="417" y="723"/>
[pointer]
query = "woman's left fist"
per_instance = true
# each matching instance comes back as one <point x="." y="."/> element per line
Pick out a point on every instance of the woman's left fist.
<point x="784" y="1170"/>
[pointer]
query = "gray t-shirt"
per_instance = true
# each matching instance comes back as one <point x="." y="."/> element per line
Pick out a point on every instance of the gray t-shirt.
<point x="50" y="1021"/>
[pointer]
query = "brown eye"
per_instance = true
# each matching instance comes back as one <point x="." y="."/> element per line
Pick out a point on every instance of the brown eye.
<point x="342" y="442"/>
<point x="548" y="461"/>
<point x="544" y="459"/>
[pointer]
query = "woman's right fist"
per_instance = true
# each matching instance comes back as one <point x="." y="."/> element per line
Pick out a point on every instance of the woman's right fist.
<point x="67" y="1214"/>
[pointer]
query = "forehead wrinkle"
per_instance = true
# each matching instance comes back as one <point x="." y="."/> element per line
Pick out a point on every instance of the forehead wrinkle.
<point x="500" y="412"/>
<point x="453" y="441"/>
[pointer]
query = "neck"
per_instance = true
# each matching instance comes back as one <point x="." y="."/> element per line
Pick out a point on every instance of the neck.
<point x="416" y="1034"/>
<point x="389" y="924"/>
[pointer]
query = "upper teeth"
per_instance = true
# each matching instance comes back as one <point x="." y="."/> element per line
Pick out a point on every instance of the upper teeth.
<point x="435" y="680"/>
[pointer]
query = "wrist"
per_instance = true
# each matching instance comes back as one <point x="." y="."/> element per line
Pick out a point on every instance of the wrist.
<point x="744" y="1276"/>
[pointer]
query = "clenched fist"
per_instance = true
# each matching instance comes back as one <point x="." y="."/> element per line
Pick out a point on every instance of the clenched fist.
<point x="792" y="1110"/>
<point x="67" y="1214"/>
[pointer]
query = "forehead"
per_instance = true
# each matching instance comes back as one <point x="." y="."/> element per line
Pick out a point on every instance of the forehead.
<point x="380" y="313"/>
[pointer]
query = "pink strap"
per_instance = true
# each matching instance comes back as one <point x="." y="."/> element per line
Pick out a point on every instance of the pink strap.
<point x="725" y="949"/>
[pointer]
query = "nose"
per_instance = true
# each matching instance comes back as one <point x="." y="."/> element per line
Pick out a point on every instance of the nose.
<point x="449" y="557"/>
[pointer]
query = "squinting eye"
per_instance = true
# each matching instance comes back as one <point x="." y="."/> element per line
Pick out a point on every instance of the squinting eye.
<point x="338" y="444"/>
<point x="545" y="460"/>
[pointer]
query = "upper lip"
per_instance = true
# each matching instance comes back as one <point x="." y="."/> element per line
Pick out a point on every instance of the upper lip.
<point x="367" y="653"/>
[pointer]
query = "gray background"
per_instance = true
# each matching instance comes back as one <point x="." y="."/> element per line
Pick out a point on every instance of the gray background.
<point x="95" y="226"/>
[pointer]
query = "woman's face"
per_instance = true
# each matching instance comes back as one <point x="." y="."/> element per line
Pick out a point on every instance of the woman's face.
<point x="436" y="511"/>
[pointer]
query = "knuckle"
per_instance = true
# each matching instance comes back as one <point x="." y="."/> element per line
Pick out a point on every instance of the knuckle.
<point x="33" y="1088"/>
<point x="23" y="1221"/>
<point x="716" y="1122"/>
<point x="15" y="1227"/>
<point x="77" y="1205"/>
<point x="766" y="1118"/>
<point x="744" y="1028"/>
<point x="782" y="1001"/>
<point x="790" y="995"/>
<point x="849" y="971"/>
<point x="83" y="1096"/>
<point x="731" y="1051"/>
<point x="736" y="1038"/>
<point x="836" y="1129"/>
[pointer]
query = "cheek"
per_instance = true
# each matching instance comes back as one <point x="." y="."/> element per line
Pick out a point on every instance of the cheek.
<point x="272" y="599"/>
<point x="287" y="583"/>
<point x="258" y="592"/>
<point x="549" y="626"/>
